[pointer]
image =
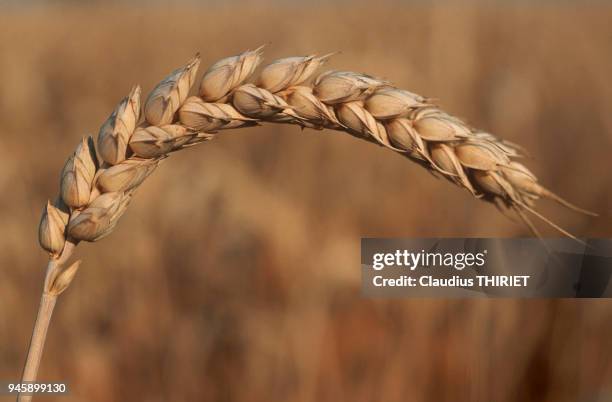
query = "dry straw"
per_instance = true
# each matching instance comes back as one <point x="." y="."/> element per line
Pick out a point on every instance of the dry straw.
<point x="97" y="185"/>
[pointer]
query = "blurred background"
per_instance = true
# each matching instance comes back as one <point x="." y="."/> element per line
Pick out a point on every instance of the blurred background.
<point x="235" y="274"/>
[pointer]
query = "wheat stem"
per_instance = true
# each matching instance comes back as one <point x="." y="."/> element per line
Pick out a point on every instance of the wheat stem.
<point x="48" y="300"/>
<point x="37" y="343"/>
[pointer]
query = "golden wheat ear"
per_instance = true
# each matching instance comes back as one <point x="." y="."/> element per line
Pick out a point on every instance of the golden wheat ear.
<point x="138" y="135"/>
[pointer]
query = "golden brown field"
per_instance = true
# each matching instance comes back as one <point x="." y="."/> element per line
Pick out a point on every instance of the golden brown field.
<point x="235" y="274"/>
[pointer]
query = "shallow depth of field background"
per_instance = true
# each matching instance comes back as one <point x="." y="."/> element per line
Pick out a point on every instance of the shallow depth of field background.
<point x="234" y="276"/>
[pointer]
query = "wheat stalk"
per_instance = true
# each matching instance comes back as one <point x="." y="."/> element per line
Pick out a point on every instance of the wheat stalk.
<point x="96" y="186"/>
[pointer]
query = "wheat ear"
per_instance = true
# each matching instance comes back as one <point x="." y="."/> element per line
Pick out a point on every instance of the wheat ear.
<point x="97" y="185"/>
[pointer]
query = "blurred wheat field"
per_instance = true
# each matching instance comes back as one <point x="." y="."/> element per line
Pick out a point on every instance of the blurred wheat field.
<point x="235" y="274"/>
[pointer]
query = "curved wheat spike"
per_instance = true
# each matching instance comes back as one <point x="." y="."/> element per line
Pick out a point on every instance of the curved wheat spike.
<point x="95" y="193"/>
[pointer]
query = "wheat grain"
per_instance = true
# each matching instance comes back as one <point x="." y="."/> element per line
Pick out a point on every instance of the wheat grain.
<point x="93" y="197"/>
